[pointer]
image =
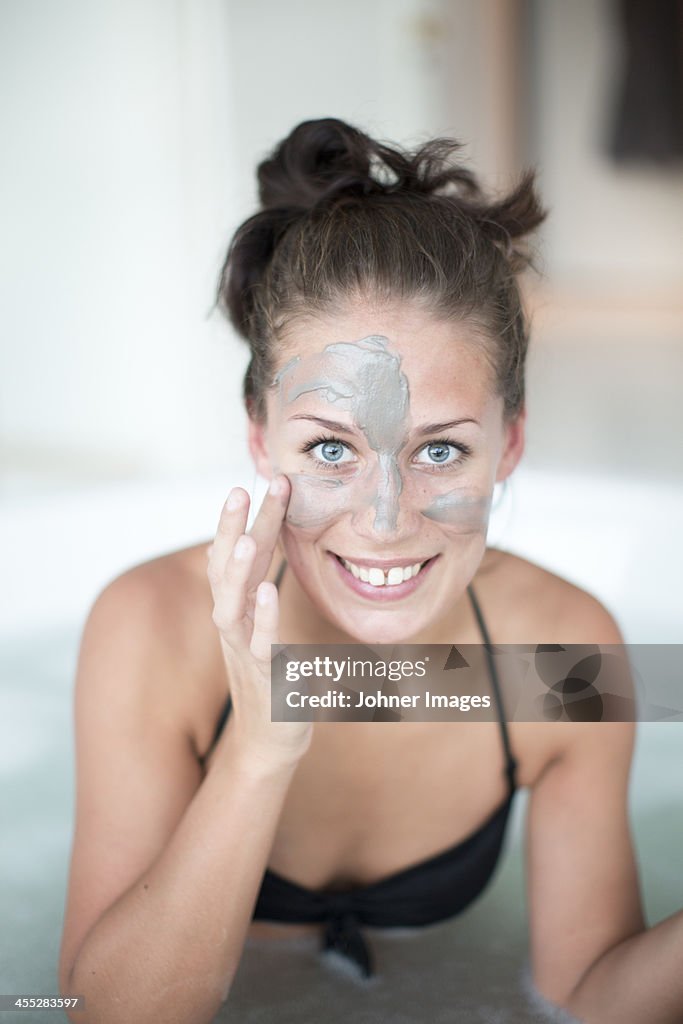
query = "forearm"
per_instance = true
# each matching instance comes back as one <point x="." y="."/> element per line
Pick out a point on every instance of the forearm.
<point x="640" y="979"/>
<point x="169" y="947"/>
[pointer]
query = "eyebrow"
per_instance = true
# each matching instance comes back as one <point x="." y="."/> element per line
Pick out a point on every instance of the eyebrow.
<point x="330" y="424"/>
<point x="436" y="428"/>
<point x="428" y="428"/>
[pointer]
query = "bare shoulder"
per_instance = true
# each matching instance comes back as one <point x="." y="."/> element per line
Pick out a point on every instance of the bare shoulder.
<point x="165" y="595"/>
<point x="525" y="603"/>
<point x="162" y="609"/>
<point x="176" y="602"/>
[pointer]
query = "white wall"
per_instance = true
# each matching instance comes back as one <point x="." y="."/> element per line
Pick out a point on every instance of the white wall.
<point x="117" y="147"/>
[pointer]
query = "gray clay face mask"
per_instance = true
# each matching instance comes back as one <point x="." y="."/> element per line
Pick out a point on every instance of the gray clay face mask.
<point x="364" y="378"/>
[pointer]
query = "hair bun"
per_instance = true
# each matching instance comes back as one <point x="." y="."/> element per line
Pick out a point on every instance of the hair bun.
<point x="326" y="158"/>
<point x="318" y="160"/>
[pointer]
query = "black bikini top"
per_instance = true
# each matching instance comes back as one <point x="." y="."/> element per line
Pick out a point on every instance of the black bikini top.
<point x="421" y="894"/>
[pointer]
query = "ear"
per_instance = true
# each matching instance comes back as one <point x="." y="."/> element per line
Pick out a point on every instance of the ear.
<point x="513" y="446"/>
<point x="259" y="448"/>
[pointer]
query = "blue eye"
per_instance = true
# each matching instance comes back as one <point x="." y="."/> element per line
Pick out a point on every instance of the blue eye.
<point x="442" y="453"/>
<point x="328" y="452"/>
<point x="438" y="452"/>
<point x="331" y="451"/>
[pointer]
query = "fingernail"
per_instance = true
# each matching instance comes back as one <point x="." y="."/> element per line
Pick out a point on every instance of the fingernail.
<point x="242" y="547"/>
<point x="263" y="595"/>
<point x="233" y="500"/>
<point x="275" y="486"/>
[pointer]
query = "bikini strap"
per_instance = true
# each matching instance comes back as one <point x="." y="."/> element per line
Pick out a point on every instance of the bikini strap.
<point x="510" y="760"/>
<point x="280" y="573"/>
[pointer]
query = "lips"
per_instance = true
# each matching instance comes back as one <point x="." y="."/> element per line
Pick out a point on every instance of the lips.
<point x="380" y="581"/>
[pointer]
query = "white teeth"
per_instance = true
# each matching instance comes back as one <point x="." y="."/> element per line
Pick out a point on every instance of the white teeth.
<point x="378" y="578"/>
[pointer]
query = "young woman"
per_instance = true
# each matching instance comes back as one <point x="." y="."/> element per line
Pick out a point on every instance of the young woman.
<point x="378" y="292"/>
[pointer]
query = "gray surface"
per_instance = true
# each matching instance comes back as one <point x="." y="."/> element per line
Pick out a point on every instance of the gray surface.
<point x="471" y="968"/>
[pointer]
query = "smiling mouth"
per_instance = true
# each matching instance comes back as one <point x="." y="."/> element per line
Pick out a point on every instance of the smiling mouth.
<point x="377" y="576"/>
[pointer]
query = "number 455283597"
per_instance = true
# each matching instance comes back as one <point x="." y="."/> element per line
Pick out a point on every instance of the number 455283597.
<point x="41" y="1002"/>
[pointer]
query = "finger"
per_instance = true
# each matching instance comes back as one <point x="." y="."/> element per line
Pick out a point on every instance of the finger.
<point x="232" y="524"/>
<point x="269" y="518"/>
<point x="268" y="523"/>
<point x="266" y="619"/>
<point x="230" y="593"/>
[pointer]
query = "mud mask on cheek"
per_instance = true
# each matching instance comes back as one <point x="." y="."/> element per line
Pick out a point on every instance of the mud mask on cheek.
<point x="364" y="378"/>
<point x="467" y="512"/>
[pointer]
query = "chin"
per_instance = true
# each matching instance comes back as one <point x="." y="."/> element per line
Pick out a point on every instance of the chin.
<point x="379" y="627"/>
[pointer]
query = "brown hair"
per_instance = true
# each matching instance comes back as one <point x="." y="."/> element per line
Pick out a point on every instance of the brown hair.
<point x="344" y="216"/>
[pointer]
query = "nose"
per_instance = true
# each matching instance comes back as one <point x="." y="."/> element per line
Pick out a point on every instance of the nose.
<point x="388" y="495"/>
<point x="385" y="513"/>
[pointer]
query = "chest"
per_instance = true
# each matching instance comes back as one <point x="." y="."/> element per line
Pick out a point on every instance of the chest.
<point x="406" y="794"/>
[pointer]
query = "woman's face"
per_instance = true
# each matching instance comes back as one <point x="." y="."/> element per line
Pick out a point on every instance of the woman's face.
<point x="387" y="424"/>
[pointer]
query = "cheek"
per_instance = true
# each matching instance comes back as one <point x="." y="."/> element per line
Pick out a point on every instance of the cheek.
<point x="460" y="513"/>
<point x="461" y="507"/>
<point x="316" y="502"/>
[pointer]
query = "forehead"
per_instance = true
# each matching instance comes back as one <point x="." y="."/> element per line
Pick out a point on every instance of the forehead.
<point x="440" y="359"/>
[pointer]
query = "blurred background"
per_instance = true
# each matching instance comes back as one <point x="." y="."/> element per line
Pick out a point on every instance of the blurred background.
<point x="131" y="130"/>
<point x="131" y="134"/>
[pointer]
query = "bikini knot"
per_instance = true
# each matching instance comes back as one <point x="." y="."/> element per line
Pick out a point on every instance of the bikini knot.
<point x="343" y="934"/>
